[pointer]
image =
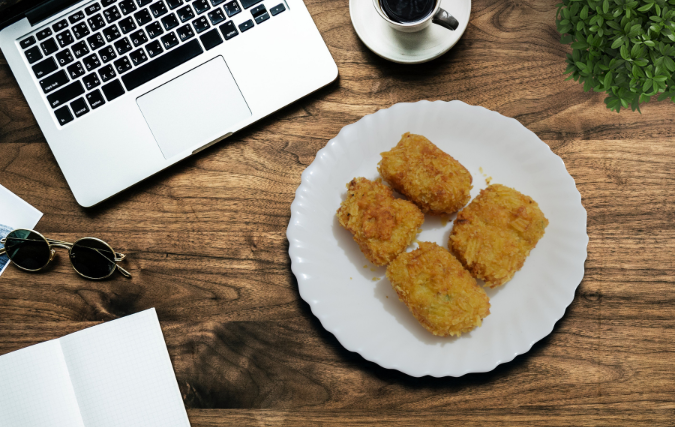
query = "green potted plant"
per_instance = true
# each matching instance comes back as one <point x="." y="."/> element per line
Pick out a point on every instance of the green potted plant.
<point x="624" y="48"/>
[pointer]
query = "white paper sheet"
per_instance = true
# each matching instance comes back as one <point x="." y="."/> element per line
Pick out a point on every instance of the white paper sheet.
<point x="14" y="213"/>
<point x="114" y="374"/>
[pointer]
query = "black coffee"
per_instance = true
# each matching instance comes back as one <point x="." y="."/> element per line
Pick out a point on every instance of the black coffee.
<point x="407" y="11"/>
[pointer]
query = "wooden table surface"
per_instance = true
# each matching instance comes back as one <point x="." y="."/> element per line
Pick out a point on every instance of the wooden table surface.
<point x="206" y="243"/>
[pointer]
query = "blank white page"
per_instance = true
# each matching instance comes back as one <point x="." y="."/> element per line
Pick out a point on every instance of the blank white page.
<point x="35" y="390"/>
<point x="122" y="374"/>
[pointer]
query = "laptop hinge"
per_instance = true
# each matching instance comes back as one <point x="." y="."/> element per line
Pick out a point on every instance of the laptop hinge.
<point x="48" y="9"/>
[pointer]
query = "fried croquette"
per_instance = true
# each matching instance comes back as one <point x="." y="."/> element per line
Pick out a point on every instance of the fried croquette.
<point x="439" y="292"/>
<point x="382" y="225"/>
<point x="426" y="175"/>
<point x="496" y="232"/>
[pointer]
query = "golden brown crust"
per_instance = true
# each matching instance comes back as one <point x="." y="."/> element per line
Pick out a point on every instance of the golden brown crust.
<point x="382" y="225"/>
<point x="426" y="175"/>
<point x="493" y="236"/>
<point x="439" y="292"/>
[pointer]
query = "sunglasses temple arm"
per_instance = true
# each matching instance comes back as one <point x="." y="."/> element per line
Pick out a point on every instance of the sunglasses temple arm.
<point x="123" y="272"/>
<point x="2" y="251"/>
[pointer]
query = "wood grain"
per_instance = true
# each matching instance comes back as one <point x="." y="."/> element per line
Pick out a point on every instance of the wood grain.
<point x="206" y="243"/>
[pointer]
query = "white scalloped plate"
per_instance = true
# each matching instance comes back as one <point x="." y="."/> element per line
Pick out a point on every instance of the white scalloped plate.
<point x="359" y="306"/>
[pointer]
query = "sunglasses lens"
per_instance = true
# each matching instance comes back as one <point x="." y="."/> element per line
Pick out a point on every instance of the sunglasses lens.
<point x="92" y="258"/>
<point x="27" y="249"/>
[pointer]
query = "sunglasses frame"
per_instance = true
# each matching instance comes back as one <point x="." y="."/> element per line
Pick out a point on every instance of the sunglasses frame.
<point x="51" y="243"/>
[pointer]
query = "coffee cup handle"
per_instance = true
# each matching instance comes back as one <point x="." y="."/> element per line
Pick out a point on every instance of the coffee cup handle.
<point x="444" y="19"/>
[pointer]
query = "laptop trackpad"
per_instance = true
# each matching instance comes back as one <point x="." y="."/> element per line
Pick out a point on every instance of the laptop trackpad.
<point x="195" y="108"/>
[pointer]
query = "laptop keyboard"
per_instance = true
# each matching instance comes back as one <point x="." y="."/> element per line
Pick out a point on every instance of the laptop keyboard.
<point x="109" y="47"/>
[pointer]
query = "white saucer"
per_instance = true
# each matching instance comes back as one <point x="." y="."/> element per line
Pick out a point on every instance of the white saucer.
<point x="407" y="48"/>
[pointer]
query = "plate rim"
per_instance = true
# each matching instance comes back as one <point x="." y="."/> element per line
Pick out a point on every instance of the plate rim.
<point x="293" y="249"/>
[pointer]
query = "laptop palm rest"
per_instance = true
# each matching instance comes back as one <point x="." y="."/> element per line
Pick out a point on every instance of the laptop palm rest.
<point x="197" y="107"/>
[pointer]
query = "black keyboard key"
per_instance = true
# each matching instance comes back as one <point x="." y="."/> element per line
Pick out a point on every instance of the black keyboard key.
<point x="127" y="25"/>
<point x="127" y="6"/>
<point x="60" y="25"/>
<point x="229" y="30"/>
<point x="185" y="13"/>
<point x="169" y="41"/>
<point x="95" y="99"/>
<point x="138" y="57"/>
<point x="49" y="46"/>
<point x="63" y="115"/>
<point x="96" y="41"/>
<point x="111" y="33"/>
<point x="79" y="107"/>
<point x="91" y="81"/>
<point x="262" y="18"/>
<point x="232" y="8"/>
<point x="106" y="3"/>
<point x="92" y="8"/>
<point x="246" y="25"/>
<point x="249" y="3"/>
<point x="80" y="30"/>
<point x="142" y="17"/>
<point x="201" y="6"/>
<point x="161" y="65"/>
<point x="158" y="9"/>
<point x="96" y="22"/>
<point x="138" y="38"/>
<point x="174" y="3"/>
<point x="170" y="22"/>
<point x="113" y="90"/>
<point x="185" y="32"/>
<point x="217" y="2"/>
<point x="112" y="14"/>
<point x="211" y="39"/>
<point x="80" y="49"/>
<point x="33" y="54"/>
<point x="54" y="81"/>
<point x="64" y="57"/>
<point x="258" y="10"/>
<point x="106" y="73"/>
<point x="142" y="3"/>
<point x="123" y="46"/>
<point x="64" y="38"/>
<point x="154" y="48"/>
<point x="44" y="33"/>
<point x="123" y="65"/>
<point x="107" y="54"/>
<point x="76" y="70"/>
<point x="217" y="16"/>
<point x="45" y="67"/>
<point x="29" y="41"/>
<point x="65" y="94"/>
<point x="154" y="30"/>
<point x="77" y="16"/>
<point x="91" y="62"/>
<point x="201" y="24"/>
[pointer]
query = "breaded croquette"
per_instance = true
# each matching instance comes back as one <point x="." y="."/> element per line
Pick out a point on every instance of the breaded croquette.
<point x="439" y="292"/>
<point x="382" y="225"/>
<point x="426" y="175"/>
<point x="496" y="232"/>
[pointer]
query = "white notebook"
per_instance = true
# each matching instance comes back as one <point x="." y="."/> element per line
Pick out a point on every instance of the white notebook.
<point x="110" y="375"/>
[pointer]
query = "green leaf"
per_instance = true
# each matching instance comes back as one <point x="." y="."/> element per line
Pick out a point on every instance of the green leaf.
<point x="646" y="7"/>
<point x="647" y="85"/>
<point x="605" y="6"/>
<point x="580" y="45"/>
<point x="617" y="42"/>
<point x="584" y="13"/>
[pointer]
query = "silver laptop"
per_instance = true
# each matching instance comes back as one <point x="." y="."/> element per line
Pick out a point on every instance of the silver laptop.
<point x="125" y="88"/>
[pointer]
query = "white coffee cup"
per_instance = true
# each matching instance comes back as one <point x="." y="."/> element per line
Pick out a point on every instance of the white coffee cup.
<point x="437" y="16"/>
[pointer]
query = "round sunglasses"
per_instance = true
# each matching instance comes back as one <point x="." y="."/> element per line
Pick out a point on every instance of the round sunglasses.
<point x="91" y="258"/>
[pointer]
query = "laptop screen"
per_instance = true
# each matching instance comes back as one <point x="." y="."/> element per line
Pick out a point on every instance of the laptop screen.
<point x="35" y="10"/>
